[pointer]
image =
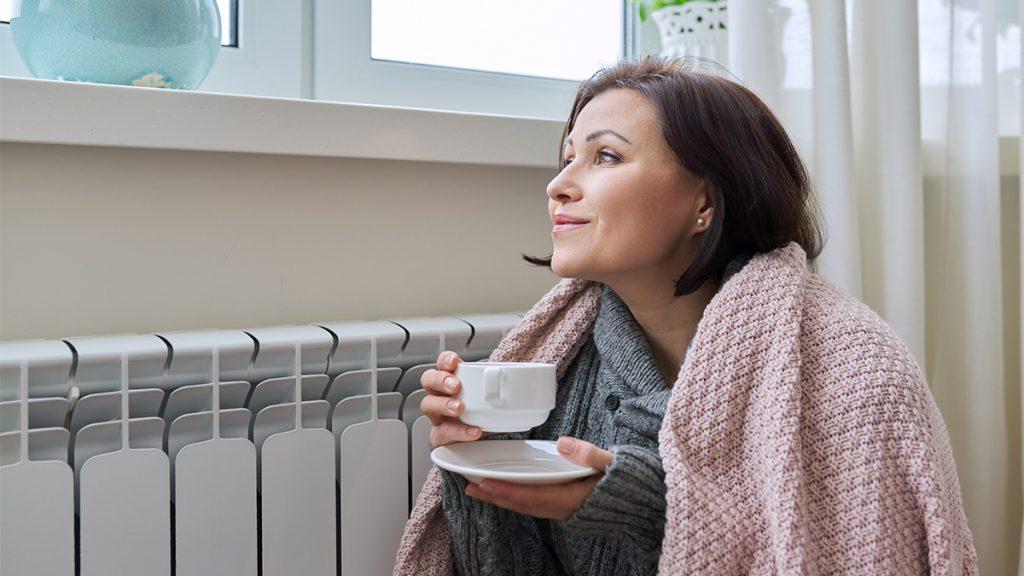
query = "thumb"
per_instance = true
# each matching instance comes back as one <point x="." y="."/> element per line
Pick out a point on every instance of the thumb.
<point x="584" y="453"/>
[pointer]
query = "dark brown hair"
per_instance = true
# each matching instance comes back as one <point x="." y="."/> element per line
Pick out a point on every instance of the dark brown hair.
<point x="720" y="130"/>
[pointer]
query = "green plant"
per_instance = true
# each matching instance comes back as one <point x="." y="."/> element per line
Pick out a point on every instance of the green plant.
<point x="645" y="7"/>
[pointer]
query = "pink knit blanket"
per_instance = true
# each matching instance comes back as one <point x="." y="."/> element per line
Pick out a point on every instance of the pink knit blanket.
<point x="800" y="436"/>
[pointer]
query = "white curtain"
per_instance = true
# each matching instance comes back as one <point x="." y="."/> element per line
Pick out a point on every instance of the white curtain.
<point x="908" y="114"/>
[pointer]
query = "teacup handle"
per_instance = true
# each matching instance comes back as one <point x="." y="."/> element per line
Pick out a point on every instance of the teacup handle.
<point x="494" y="393"/>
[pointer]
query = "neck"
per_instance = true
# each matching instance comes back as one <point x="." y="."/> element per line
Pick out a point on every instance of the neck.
<point x="669" y="322"/>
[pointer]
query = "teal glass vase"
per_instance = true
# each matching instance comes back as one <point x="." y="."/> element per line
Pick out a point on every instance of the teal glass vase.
<point x="156" y="43"/>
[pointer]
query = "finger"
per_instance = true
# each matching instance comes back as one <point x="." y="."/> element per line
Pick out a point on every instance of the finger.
<point x="506" y="504"/>
<point x="447" y="361"/>
<point x="450" y="431"/>
<point x="439" y="382"/>
<point x="474" y="491"/>
<point x="439" y="407"/>
<point x="533" y="497"/>
<point x="584" y="453"/>
<point x="561" y="504"/>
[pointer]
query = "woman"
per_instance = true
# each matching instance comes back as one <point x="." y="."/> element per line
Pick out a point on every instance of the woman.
<point x="748" y="417"/>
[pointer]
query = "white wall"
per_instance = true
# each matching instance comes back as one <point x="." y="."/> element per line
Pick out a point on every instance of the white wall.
<point x="97" y="240"/>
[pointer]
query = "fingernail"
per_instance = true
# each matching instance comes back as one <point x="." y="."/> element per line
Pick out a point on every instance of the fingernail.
<point x="485" y="486"/>
<point x="567" y="445"/>
<point x="447" y="358"/>
<point x="453" y="404"/>
<point x="449" y="383"/>
<point x="473" y="430"/>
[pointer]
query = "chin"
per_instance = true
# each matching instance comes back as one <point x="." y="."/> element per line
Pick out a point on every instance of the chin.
<point x="567" y="268"/>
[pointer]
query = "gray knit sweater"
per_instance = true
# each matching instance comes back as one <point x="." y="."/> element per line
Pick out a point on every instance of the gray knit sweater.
<point x="613" y="396"/>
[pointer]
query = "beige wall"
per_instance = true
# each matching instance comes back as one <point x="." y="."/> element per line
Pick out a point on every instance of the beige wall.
<point x="102" y="240"/>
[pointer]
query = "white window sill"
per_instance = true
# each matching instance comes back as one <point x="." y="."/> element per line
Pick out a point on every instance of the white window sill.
<point x="56" y="112"/>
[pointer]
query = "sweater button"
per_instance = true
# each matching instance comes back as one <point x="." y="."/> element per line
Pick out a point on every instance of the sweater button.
<point x="611" y="402"/>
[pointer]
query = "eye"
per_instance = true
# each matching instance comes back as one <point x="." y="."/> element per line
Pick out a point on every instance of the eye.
<point x="601" y="154"/>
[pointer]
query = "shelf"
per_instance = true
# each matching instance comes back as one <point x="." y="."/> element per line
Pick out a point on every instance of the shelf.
<point x="57" y="112"/>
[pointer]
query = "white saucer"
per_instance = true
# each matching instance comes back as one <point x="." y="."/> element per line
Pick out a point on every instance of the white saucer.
<point x="517" y="461"/>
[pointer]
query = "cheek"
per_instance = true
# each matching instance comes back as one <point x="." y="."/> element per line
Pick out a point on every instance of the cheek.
<point x="645" y="231"/>
<point x="637" y="242"/>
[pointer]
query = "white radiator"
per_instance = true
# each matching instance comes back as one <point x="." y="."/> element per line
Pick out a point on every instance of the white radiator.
<point x="288" y="450"/>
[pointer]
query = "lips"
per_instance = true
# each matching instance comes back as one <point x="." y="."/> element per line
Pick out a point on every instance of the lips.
<point x="563" y="227"/>
<point x="566" y="219"/>
<point x="565" y="222"/>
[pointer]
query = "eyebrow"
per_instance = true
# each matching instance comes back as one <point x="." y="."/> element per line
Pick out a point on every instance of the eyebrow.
<point x="597" y="133"/>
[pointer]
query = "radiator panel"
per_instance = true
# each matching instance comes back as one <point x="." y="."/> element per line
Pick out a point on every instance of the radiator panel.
<point x="373" y="486"/>
<point x="125" y="519"/>
<point x="297" y="485"/>
<point x="215" y="508"/>
<point x="37" y="519"/>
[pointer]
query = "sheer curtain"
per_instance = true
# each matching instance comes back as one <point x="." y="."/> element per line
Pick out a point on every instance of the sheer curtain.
<point x="908" y="115"/>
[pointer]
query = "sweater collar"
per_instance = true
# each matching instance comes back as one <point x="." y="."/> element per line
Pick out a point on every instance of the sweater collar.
<point x="621" y="342"/>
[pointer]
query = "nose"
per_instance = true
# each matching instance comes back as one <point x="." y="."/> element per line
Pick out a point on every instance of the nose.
<point x="562" y="189"/>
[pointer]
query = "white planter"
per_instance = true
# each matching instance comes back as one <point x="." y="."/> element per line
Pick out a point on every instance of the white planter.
<point x="697" y="28"/>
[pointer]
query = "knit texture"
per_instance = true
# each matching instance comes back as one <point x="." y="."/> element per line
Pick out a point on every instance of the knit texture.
<point x="612" y="396"/>
<point x="800" y="436"/>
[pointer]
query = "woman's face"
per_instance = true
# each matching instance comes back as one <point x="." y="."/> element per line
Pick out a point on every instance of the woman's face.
<point x="641" y="205"/>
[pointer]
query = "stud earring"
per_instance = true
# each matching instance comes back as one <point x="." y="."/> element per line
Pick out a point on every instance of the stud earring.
<point x="700" y="221"/>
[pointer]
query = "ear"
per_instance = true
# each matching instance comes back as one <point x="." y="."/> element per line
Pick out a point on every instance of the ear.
<point x="705" y="205"/>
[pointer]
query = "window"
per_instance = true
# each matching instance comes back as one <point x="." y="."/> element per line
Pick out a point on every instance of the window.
<point x="522" y="58"/>
<point x="564" y="39"/>
<point x="228" y="19"/>
<point x="263" y="48"/>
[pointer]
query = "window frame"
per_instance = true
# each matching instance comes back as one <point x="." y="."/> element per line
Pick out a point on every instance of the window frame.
<point x="271" y="59"/>
<point x="284" y="52"/>
<point x="344" y="28"/>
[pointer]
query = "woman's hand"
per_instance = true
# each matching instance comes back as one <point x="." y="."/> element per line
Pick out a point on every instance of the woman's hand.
<point x="442" y="407"/>
<point x="557" y="502"/>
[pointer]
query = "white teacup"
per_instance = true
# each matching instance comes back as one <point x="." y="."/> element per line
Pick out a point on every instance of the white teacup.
<point x="506" y="396"/>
